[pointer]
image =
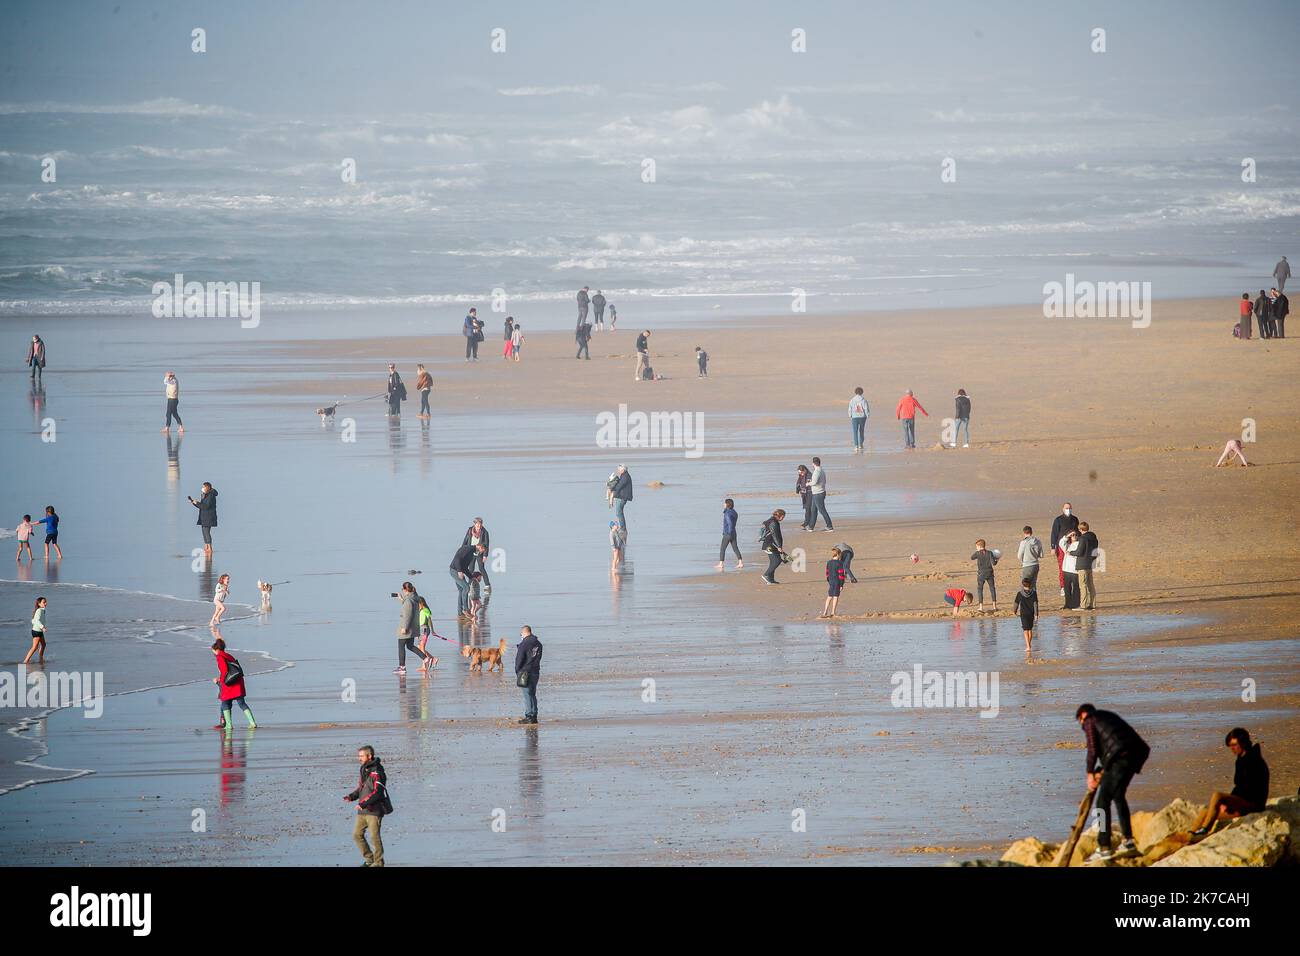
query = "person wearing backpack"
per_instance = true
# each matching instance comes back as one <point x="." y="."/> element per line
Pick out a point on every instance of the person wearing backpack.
<point x="230" y="680"/>
<point x="528" y="671"/>
<point x="373" y="804"/>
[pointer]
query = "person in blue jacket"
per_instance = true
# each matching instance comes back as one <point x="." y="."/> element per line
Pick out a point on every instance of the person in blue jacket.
<point x="729" y="535"/>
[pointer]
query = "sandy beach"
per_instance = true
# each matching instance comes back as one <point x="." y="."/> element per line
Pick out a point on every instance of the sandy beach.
<point x="759" y="708"/>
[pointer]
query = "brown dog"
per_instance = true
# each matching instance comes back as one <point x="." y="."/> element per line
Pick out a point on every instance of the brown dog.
<point x="477" y="655"/>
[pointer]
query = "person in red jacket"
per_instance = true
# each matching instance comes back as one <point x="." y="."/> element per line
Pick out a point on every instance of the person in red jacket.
<point x="957" y="597"/>
<point x="231" y="692"/>
<point x="906" y="413"/>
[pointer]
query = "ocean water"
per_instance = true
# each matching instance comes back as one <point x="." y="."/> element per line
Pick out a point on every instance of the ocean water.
<point x="437" y="219"/>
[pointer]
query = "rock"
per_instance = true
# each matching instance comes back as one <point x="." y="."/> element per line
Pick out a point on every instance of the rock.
<point x="1150" y="829"/>
<point x="1260" y="839"/>
<point x="1030" y="851"/>
<point x="1166" y="847"/>
<point x="1289" y="808"/>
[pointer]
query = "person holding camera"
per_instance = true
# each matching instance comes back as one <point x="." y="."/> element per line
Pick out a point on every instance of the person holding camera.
<point x="207" y="505"/>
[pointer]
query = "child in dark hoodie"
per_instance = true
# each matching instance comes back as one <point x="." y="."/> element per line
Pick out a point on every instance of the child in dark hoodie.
<point x="984" y="561"/>
<point x="1249" y="784"/>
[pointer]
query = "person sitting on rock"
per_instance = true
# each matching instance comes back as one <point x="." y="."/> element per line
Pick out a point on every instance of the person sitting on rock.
<point x="1249" y="784"/>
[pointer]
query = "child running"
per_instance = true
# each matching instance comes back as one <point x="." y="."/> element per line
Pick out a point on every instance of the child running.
<point x="1026" y="605"/>
<point x="834" y="584"/>
<point x="517" y="341"/>
<point x="219" y="600"/>
<point x="51" y="522"/>
<point x="38" y="631"/>
<point x="25" y="538"/>
<point x="426" y="629"/>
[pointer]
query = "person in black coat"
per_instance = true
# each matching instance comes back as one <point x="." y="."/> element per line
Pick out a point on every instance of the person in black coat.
<point x="1264" y="315"/>
<point x="773" y="545"/>
<point x="1062" y="525"/>
<point x="479" y="531"/>
<point x="1249" y="784"/>
<point x="1115" y="754"/>
<point x="528" y="671"/>
<point x="1087" y="558"/>
<point x="207" y="505"/>
<point x="396" y="391"/>
<point x="622" y="492"/>
<point x="1281" y="309"/>
<point x="583" y="336"/>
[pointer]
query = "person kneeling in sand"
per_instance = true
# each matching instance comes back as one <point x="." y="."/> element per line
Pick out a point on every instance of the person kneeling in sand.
<point x="956" y="597"/>
<point x="1232" y="448"/>
<point x="1249" y="784"/>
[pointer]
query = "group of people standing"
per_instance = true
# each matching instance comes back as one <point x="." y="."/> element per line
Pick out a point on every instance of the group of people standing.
<point x="905" y="412"/>
<point x="1269" y="310"/>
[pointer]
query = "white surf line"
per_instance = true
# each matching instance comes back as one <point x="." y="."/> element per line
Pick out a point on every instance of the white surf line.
<point x="26" y="723"/>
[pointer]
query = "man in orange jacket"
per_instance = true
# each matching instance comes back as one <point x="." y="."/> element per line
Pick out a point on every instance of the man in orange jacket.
<point x="906" y="413"/>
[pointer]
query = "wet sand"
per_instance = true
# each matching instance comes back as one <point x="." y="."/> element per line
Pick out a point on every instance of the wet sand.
<point x="759" y="710"/>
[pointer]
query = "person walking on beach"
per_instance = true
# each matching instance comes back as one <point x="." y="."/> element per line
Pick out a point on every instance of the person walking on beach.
<point x="51" y="522"/>
<point x="1026" y="605"/>
<point x="230" y="681"/>
<point x="373" y="804"/>
<point x="38" y="631"/>
<point x="36" y="359"/>
<point x="219" y="598"/>
<point x="773" y="545"/>
<point x="1084" y="564"/>
<point x="1245" y="312"/>
<point x="517" y="341"/>
<point x="584" y="299"/>
<point x="423" y="385"/>
<point x="1115" y="754"/>
<point x="621" y="495"/>
<point x="172" y="387"/>
<point x="408" y="627"/>
<point x="462" y="566"/>
<point x="834" y="584"/>
<point x="802" y="476"/>
<point x="817" y="493"/>
<point x="510" y="331"/>
<point x="1281" y="272"/>
<point x="906" y="411"/>
<point x="1070" y="569"/>
<point x="859" y="412"/>
<point x="426" y="631"/>
<point x="956" y="597"/>
<point x="476" y="534"/>
<point x="1264" y="315"/>
<point x="729" y="519"/>
<point x="1249" y="785"/>
<point x="985" y="560"/>
<point x="396" y="391"/>
<point x="642" y="353"/>
<point x="207" y="505"/>
<point x="1281" y="309"/>
<point x="583" y="336"/>
<point x="528" y="671"/>
<point x="701" y="362"/>
<point x="962" y="418"/>
<point x="471" y="329"/>
<point x="598" y="310"/>
<point x="1062" y="525"/>
<point x="24" y="532"/>
<point x="1030" y="553"/>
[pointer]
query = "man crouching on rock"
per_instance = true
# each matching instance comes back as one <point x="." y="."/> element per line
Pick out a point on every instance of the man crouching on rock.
<point x="1115" y="754"/>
